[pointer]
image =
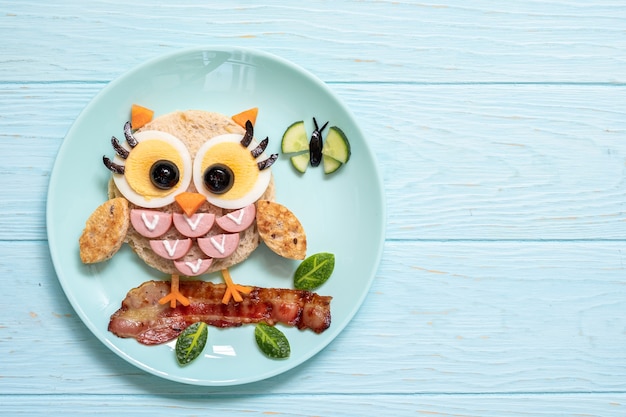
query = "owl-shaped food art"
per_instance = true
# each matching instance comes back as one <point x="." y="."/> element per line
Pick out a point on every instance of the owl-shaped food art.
<point x="192" y="193"/>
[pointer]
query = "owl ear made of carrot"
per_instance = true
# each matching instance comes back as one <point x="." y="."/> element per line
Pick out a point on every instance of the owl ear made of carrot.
<point x="280" y="230"/>
<point x="246" y="115"/>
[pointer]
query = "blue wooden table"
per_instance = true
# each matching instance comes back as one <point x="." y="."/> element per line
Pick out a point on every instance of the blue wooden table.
<point x="500" y="133"/>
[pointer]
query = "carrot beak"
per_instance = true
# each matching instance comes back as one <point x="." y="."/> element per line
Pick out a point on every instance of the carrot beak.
<point x="190" y="202"/>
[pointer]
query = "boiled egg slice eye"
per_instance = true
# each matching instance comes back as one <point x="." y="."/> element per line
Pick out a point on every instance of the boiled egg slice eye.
<point x="156" y="170"/>
<point x="228" y="174"/>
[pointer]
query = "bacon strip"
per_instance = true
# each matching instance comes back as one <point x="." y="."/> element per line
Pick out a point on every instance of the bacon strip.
<point x="142" y="317"/>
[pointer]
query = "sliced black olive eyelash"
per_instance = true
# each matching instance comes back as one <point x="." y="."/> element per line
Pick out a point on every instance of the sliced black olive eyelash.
<point x="112" y="166"/>
<point x="120" y="150"/>
<point x="266" y="163"/>
<point x="128" y="133"/>
<point x="260" y="148"/>
<point x="247" y="139"/>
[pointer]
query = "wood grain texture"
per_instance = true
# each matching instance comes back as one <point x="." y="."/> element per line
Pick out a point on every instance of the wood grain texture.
<point x="535" y="41"/>
<point x="523" y="405"/>
<point x="500" y="132"/>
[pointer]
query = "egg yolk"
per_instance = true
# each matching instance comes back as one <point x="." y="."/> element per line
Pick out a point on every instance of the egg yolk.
<point x="140" y="161"/>
<point x="240" y="161"/>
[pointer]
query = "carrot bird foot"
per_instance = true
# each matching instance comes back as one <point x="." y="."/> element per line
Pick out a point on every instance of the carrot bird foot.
<point x="233" y="290"/>
<point x="175" y="295"/>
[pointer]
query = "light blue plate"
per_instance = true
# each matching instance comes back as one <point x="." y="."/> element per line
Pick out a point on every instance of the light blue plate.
<point x="342" y="213"/>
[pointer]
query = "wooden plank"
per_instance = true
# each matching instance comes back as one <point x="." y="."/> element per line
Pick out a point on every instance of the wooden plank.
<point x="35" y="118"/>
<point x="485" y="41"/>
<point x="441" y="318"/>
<point x="481" y="162"/>
<point x="524" y="405"/>
<point x="499" y="162"/>
<point x="499" y="129"/>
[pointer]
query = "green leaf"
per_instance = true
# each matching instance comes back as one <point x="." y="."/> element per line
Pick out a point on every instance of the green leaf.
<point x="272" y="342"/>
<point x="314" y="271"/>
<point x="191" y="342"/>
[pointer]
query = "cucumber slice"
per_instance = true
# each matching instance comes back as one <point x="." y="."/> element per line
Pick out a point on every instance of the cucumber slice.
<point x="330" y="164"/>
<point x="337" y="145"/>
<point x="300" y="161"/>
<point x="295" y="138"/>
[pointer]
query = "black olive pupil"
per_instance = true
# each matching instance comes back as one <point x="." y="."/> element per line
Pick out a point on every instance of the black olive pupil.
<point x="218" y="178"/>
<point x="164" y="174"/>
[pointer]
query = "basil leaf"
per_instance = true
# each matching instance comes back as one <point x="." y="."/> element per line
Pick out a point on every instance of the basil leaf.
<point x="272" y="342"/>
<point x="190" y="342"/>
<point x="314" y="271"/>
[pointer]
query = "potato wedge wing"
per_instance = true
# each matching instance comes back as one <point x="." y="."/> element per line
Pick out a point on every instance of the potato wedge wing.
<point x="281" y="230"/>
<point x="104" y="231"/>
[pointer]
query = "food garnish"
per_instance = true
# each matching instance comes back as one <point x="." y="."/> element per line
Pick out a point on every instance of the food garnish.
<point x="233" y="290"/>
<point x="164" y="174"/>
<point x="104" y="231"/>
<point x="316" y="143"/>
<point x="191" y="342"/>
<point x="333" y="152"/>
<point x="189" y="202"/>
<point x="330" y="164"/>
<point x="281" y="230"/>
<point x="295" y="140"/>
<point x="244" y="116"/>
<point x="140" y="116"/>
<point x="314" y="271"/>
<point x="300" y="162"/>
<point x="336" y="149"/>
<point x="272" y="342"/>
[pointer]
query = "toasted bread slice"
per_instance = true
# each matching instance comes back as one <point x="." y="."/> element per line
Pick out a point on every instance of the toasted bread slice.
<point x="281" y="230"/>
<point x="193" y="127"/>
<point x="105" y="231"/>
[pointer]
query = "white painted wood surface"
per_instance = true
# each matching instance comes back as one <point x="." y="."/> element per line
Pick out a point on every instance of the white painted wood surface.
<point x="500" y="130"/>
